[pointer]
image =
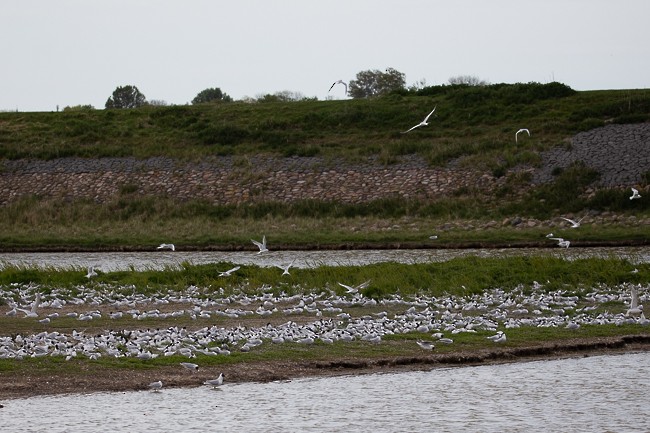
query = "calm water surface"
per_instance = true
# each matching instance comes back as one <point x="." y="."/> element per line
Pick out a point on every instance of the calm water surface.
<point x="114" y="261"/>
<point x="600" y="393"/>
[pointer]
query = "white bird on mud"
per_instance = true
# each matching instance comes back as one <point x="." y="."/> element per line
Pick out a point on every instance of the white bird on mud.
<point x="261" y="245"/>
<point x="31" y="313"/>
<point x="423" y="123"/>
<point x="339" y="82"/>
<point x="355" y="289"/>
<point x="215" y="382"/>
<point x="574" y="224"/>
<point x="635" y="309"/>
<point x="190" y="366"/>
<point x="426" y="345"/>
<point x="562" y="242"/>
<point x="166" y="247"/>
<point x="156" y="386"/>
<point x="521" y="130"/>
<point x="285" y="269"/>
<point x="228" y="272"/>
<point x="635" y="194"/>
<point x="499" y="337"/>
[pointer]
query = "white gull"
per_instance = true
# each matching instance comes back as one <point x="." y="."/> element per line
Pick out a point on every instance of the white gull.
<point x="521" y="130"/>
<point x="261" y="245"/>
<point x="167" y="246"/>
<point x="228" y="272"/>
<point x="423" y="123"/>
<point x="215" y="382"/>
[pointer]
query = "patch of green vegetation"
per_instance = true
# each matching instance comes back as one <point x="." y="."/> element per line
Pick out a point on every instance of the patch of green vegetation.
<point x="459" y="276"/>
<point x="473" y="125"/>
<point x="469" y="121"/>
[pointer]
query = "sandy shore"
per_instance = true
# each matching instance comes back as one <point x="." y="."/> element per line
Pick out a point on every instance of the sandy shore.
<point x="96" y="378"/>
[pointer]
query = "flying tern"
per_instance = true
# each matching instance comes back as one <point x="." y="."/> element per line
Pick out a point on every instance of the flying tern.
<point x="167" y="246"/>
<point x="574" y="224"/>
<point x="228" y="272"/>
<point x="635" y="194"/>
<point x="339" y="82"/>
<point x="261" y="245"/>
<point x="521" y="130"/>
<point x="285" y="269"/>
<point x="562" y="242"/>
<point x="425" y="122"/>
<point x="356" y="289"/>
<point x="91" y="272"/>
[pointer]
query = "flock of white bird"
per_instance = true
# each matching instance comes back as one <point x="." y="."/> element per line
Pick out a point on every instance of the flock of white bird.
<point x="323" y="317"/>
<point x="308" y="318"/>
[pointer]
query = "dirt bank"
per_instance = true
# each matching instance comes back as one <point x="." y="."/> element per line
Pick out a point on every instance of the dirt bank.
<point x="92" y="377"/>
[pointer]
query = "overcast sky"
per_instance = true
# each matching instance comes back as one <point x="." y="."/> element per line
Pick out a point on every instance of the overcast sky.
<point x="76" y="52"/>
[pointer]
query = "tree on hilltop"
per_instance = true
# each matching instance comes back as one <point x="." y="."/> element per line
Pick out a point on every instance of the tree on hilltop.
<point x="375" y="83"/>
<point x="468" y="80"/>
<point x="284" y="96"/>
<point x="126" y="97"/>
<point x="211" y="95"/>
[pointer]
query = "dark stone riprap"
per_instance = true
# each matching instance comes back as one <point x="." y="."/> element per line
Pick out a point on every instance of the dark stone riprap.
<point x="621" y="153"/>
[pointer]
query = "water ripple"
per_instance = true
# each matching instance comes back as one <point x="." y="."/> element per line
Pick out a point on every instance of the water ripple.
<point x="600" y="393"/>
<point x="121" y="261"/>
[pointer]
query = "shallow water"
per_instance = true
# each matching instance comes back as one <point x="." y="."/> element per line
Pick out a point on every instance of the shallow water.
<point x="600" y="393"/>
<point x="114" y="261"/>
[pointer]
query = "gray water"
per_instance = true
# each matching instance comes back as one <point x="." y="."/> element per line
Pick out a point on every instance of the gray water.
<point x="118" y="261"/>
<point x="599" y="393"/>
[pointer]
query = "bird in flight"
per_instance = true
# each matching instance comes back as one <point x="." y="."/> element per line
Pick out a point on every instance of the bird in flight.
<point x="423" y="123"/>
<point x="167" y="246"/>
<point x="228" y="272"/>
<point x="261" y="245"/>
<point x="635" y="194"/>
<point x="91" y="272"/>
<point x="521" y="130"/>
<point x="562" y="242"/>
<point x="355" y="289"/>
<point x="574" y="224"/>
<point x="285" y="269"/>
<point x="339" y="82"/>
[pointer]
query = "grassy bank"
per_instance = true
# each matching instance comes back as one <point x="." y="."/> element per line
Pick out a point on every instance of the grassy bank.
<point x="470" y="121"/>
<point x="455" y="277"/>
<point x="474" y="127"/>
<point x="140" y="223"/>
<point x="449" y="287"/>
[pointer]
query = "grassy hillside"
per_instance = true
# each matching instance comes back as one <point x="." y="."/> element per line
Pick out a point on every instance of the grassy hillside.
<point x="469" y="121"/>
<point x="475" y="124"/>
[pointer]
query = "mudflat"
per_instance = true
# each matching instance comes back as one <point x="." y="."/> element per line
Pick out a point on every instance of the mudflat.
<point x="94" y="377"/>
